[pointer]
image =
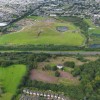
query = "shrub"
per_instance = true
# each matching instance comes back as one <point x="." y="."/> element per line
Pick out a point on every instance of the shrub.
<point x="57" y="74"/>
<point x="69" y="64"/>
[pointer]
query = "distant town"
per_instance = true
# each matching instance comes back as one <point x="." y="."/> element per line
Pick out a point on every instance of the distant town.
<point x="13" y="9"/>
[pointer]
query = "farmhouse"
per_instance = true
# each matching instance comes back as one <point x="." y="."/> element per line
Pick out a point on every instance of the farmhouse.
<point x="59" y="66"/>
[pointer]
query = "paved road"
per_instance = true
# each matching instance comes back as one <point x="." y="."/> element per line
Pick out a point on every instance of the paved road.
<point x="60" y="52"/>
<point x="69" y="52"/>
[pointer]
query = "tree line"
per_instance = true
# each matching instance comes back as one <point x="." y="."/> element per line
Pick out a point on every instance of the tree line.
<point x="49" y="47"/>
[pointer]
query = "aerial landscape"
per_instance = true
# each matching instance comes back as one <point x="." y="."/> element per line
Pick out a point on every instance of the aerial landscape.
<point x="49" y="49"/>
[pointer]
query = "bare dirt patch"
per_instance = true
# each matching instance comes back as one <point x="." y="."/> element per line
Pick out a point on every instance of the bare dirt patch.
<point x="67" y="75"/>
<point x="42" y="76"/>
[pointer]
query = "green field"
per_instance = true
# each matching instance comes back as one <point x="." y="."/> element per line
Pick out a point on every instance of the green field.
<point x="94" y="39"/>
<point x="44" y="32"/>
<point x="93" y="28"/>
<point x="94" y="32"/>
<point x="90" y="23"/>
<point x="10" y="78"/>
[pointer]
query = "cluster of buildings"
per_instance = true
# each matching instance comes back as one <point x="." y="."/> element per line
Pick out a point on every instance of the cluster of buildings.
<point x="11" y="9"/>
<point x="35" y="94"/>
<point x="81" y="8"/>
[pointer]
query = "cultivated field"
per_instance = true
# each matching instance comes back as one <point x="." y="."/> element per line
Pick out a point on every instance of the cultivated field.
<point x="10" y="78"/>
<point x="44" y="31"/>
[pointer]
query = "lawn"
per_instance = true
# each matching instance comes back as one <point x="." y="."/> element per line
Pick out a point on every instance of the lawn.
<point x="10" y="78"/>
<point x="44" y="32"/>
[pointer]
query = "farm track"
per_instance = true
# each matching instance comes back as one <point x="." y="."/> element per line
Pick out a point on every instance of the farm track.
<point x="59" y="52"/>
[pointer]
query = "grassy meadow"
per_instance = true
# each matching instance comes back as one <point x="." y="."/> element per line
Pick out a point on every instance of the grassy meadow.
<point x="43" y="31"/>
<point x="10" y="78"/>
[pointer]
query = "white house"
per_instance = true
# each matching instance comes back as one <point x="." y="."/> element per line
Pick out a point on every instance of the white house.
<point x="59" y="66"/>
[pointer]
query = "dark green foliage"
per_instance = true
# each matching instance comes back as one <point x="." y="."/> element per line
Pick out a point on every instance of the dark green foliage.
<point x="48" y="67"/>
<point x="90" y="79"/>
<point x="50" y="47"/>
<point x="5" y="63"/>
<point x="81" y="58"/>
<point x="69" y="64"/>
<point x="54" y="68"/>
<point x="57" y="74"/>
<point x="30" y="59"/>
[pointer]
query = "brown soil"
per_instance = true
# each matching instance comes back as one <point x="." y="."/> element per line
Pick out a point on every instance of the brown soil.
<point x="42" y="76"/>
<point x="67" y="75"/>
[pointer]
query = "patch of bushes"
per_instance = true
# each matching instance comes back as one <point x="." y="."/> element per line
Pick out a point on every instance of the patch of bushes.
<point x="81" y="58"/>
<point x="69" y="64"/>
<point x="48" y="67"/>
<point x="57" y="74"/>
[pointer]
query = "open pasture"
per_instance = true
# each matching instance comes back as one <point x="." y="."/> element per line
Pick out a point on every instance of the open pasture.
<point x="44" y="31"/>
<point x="10" y="78"/>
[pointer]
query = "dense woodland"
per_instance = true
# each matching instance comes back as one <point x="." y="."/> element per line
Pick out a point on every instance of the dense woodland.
<point x="89" y="75"/>
<point x="7" y="59"/>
